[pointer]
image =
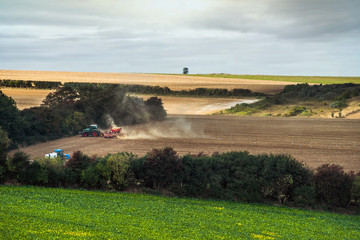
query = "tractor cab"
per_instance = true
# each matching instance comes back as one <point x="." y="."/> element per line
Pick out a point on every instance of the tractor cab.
<point x="93" y="127"/>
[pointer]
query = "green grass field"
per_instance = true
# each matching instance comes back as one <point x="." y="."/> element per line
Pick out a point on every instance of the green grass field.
<point x="46" y="213"/>
<point x="302" y="79"/>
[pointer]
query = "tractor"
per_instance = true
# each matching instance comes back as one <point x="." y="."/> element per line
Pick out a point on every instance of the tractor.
<point x="58" y="153"/>
<point x="91" y="131"/>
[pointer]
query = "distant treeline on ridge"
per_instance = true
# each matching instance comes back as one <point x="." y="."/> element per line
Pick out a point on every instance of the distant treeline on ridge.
<point x="134" y="88"/>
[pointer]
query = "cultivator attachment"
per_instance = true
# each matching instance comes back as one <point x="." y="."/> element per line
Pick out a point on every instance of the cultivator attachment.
<point x="113" y="132"/>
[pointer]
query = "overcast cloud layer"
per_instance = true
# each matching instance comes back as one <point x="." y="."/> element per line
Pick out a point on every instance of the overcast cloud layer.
<point x="283" y="37"/>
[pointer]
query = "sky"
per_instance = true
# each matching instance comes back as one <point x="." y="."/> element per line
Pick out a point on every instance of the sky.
<point x="271" y="37"/>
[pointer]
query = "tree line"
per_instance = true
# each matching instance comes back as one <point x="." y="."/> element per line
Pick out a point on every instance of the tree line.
<point x="139" y="89"/>
<point x="29" y="84"/>
<point x="235" y="176"/>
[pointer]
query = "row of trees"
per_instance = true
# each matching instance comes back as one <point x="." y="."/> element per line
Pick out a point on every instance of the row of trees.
<point x="69" y="109"/>
<point x="236" y="176"/>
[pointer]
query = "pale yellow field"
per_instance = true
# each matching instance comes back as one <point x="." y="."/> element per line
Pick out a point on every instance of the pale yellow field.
<point x="26" y="98"/>
<point x="174" y="82"/>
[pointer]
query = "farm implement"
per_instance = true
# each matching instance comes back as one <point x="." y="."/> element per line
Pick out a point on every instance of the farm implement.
<point x="93" y="131"/>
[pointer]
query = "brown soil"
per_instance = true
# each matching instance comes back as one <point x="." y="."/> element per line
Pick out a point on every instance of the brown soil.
<point x="174" y="82"/>
<point x="313" y="141"/>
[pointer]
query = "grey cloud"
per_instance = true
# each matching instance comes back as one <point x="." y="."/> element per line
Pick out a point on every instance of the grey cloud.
<point x="285" y="18"/>
<point x="257" y="37"/>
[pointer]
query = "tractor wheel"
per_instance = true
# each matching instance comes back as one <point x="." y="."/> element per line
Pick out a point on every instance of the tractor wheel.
<point x="95" y="134"/>
<point x="85" y="134"/>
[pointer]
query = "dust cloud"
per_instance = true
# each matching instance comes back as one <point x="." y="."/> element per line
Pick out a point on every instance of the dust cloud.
<point x="170" y="128"/>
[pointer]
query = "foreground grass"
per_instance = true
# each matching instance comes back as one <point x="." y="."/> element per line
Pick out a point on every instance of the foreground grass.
<point x="43" y="213"/>
<point x="300" y="79"/>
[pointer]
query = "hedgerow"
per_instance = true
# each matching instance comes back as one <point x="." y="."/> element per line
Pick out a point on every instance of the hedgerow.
<point x="235" y="176"/>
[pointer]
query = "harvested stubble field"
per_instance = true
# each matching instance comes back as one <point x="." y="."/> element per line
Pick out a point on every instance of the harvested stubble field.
<point x="174" y="82"/>
<point x="26" y="98"/>
<point x="313" y="141"/>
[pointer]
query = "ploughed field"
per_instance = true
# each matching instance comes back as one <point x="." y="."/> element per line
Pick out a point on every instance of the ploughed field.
<point x="313" y="141"/>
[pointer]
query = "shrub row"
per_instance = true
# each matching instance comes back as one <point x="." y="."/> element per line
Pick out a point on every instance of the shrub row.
<point x="236" y="176"/>
<point x="322" y="92"/>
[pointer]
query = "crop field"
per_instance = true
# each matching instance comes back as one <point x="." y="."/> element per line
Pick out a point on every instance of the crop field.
<point x="44" y="213"/>
<point x="26" y="98"/>
<point x="313" y="141"/>
<point x="299" y="79"/>
<point x="174" y="82"/>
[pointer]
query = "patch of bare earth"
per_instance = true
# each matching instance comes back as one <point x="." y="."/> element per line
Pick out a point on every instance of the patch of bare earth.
<point x="174" y="82"/>
<point x="313" y="141"/>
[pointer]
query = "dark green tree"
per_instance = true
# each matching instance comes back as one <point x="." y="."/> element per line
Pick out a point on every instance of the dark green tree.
<point x="4" y="145"/>
<point x="10" y="119"/>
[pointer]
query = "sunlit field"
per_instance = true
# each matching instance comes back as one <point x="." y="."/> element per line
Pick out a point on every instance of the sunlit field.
<point x="45" y="213"/>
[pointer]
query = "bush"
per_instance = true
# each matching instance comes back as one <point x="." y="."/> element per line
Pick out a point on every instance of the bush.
<point x="201" y="177"/>
<point x="4" y="145"/>
<point x="119" y="166"/>
<point x="90" y="177"/>
<point x="296" y="110"/>
<point x="155" y="108"/>
<point x="18" y="164"/>
<point x="76" y="164"/>
<point x="333" y="185"/>
<point x="355" y="191"/>
<point x="280" y="175"/>
<point x="55" y="170"/>
<point x="35" y="174"/>
<point x="305" y="196"/>
<point x="162" y="166"/>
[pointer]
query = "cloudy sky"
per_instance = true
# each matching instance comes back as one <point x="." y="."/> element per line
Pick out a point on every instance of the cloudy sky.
<point x="283" y="37"/>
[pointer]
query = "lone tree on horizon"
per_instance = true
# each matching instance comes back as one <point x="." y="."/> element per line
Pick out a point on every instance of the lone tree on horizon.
<point x="185" y="70"/>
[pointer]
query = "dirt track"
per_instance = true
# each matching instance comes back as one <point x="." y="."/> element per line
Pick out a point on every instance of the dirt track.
<point x="313" y="141"/>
